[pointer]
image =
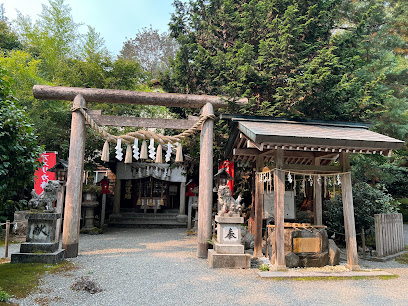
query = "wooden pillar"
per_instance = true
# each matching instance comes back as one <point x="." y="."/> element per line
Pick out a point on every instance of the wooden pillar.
<point x="348" y="211"/>
<point x="205" y="195"/>
<point x="259" y="193"/>
<point x="73" y="199"/>
<point x="182" y="198"/>
<point x="103" y="210"/>
<point x="279" y="188"/>
<point x="317" y="198"/>
<point x="116" y="197"/>
<point x="60" y="205"/>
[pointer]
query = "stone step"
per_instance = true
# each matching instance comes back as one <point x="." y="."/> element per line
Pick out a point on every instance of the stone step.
<point x="138" y="223"/>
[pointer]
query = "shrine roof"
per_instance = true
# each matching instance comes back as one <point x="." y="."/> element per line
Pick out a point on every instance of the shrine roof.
<point x="263" y="133"/>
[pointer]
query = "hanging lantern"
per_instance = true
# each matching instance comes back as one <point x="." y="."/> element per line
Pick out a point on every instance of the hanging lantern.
<point x="143" y="150"/>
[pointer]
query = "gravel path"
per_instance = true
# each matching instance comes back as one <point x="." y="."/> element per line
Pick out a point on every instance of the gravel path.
<point x="160" y="267"/>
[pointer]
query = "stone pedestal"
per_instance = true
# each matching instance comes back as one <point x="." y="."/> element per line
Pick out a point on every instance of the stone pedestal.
<point x="89" y="203"/>
<point x="228" y="251"/>
<point x="40" y="245"/>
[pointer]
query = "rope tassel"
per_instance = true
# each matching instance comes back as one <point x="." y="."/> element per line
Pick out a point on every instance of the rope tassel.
<point x="105" y="152"/>
<point x="179" y="153"/>
<point x="128" y="157"/>
<point x="143" y="150"/>
<point x="159" y="154"/>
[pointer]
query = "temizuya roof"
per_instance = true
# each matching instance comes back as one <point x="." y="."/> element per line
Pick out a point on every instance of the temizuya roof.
<point x="302" y="141"/>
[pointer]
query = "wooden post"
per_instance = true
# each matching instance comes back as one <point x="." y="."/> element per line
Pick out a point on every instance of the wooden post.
<point x="103" y="209"/>
<point x="60" y="205"/>
<point x="206" y="183"/>
<point x="7" y="238"/>
<point x="363" y="242"/>
<point x="189" y="212"/>
<point x="116" y="197"/>
<point x="259" y="193"/>
<point x="73" y="199"/>
<point x="183" y="198"/>
<point x="279" y="188"/>
<point x="348" y="211"/>
<point x="317" y="207"/>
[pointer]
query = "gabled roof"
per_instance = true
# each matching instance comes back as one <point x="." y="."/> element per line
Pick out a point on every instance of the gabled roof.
<point x="254" y="135"/>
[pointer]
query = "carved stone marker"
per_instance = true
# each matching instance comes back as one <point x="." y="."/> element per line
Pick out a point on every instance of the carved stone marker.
<point x="40" y="245"/>
<point x="228" y="250"/>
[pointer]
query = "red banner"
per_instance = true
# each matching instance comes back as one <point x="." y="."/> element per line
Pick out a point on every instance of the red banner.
<point x="42" y="175"/>
<point x="229" y="167"/>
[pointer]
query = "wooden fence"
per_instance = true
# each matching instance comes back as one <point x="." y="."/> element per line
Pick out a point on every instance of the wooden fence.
<point x="389" y="234"/>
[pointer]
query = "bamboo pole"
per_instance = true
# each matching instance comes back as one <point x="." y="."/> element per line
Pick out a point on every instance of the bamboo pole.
<point x="73" y="199"/>
<point x="206" y="184"/>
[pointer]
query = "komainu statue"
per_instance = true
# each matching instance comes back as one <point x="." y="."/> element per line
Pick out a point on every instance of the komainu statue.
<point x="45" y="200"/>
<point x="229" y="206"/>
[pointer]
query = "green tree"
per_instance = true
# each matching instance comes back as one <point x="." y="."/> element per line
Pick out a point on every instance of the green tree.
<point x="52" y="38"/>
<point x="19" y="149"/>
<point x="152" y="49"/>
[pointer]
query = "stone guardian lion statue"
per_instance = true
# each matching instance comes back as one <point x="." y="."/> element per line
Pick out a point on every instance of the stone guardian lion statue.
<point x="228" y="204"/>
<point x="45" y="200"/>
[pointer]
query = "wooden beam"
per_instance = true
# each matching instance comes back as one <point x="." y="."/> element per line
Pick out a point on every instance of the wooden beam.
<point x="246" y="152"/>
<point x="129" y="97"/>
<point x="312" y="168"/>
<point x="348" y="212"/>
<point x="73" y="199"/>
<point x="176" y="124"/>
<point x="251" y="144"/>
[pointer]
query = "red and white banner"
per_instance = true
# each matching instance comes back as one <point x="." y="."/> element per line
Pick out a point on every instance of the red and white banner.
<point x="42" y="175"/>
<point x="229" y="167"/>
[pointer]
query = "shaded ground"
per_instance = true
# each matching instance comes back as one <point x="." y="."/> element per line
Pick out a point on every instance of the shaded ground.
<point x="160" y="267"/>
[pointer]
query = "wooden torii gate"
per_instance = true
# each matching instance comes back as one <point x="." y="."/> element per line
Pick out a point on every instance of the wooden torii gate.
<point x="80" y="97"/>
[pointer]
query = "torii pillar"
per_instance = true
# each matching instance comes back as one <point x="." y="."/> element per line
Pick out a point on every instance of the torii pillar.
<point x="205" y="191"/>
<point x="73" y="199"/>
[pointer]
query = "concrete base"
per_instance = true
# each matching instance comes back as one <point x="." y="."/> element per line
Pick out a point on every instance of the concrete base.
<point x="353" y="267"/>
<point x="300" y="274"/>
<point x="229" y="248"/>
<point x="71" y="250"/>
<point x="229" y="261"/>
<point x="279" y="268"/>
<point x="182" y="218"/>
<point x="48" y="258"/>
<point x="33" y="247"/>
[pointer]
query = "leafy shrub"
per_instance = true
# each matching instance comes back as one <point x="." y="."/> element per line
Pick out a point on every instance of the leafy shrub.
<point x="367" y="200"/>
<point x="4" y="296"/>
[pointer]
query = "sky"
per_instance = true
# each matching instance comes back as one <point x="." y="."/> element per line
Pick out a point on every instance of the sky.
<point x="115" y="20"/>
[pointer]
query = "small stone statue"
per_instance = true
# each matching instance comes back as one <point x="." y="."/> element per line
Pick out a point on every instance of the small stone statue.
<point x="45" y="200"/>
<point x="227" y="203"/>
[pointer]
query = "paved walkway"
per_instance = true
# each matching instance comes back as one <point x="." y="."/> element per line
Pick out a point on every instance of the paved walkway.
<point x="160" y="267"/>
